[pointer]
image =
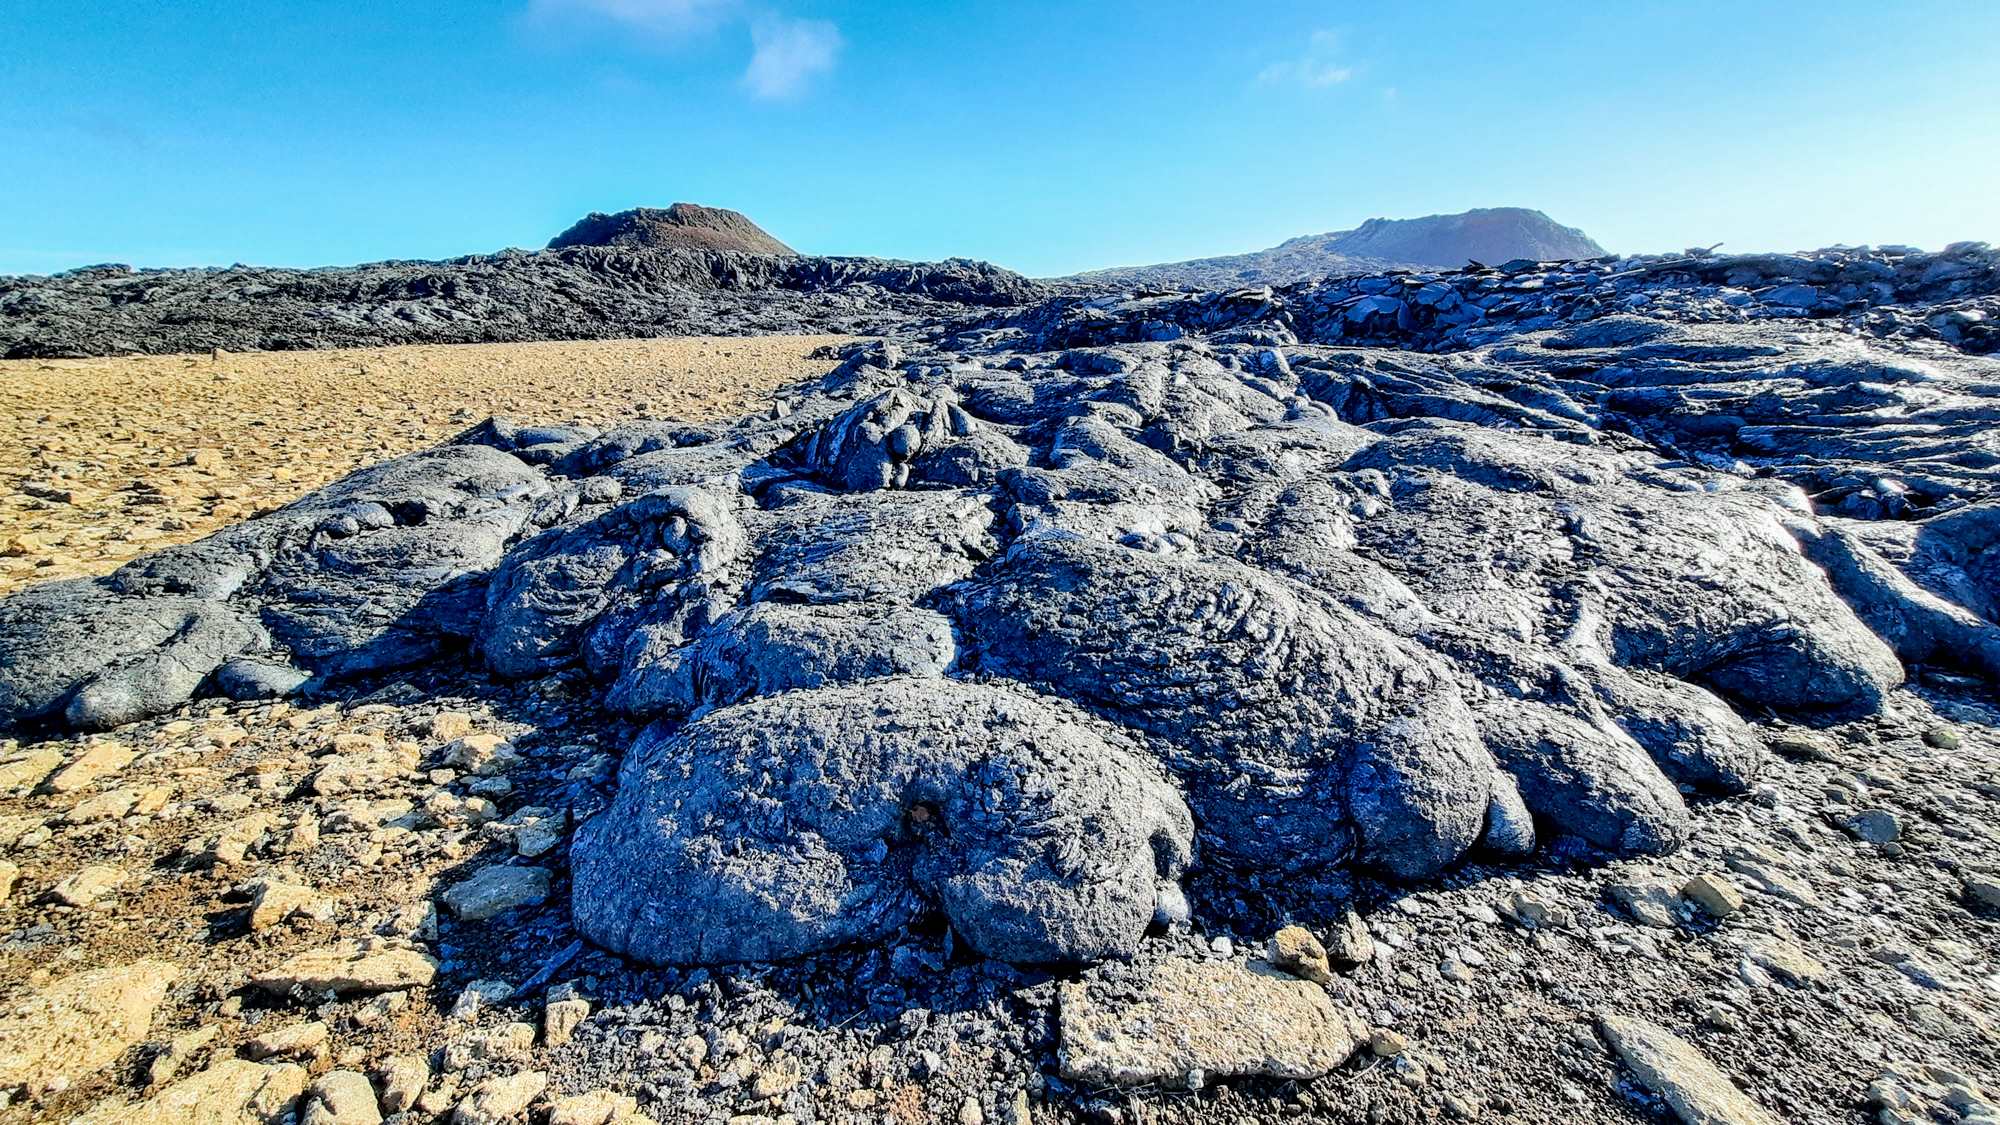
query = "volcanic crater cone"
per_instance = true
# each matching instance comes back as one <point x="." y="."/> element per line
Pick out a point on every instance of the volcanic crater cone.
<point x="683" y="226"/>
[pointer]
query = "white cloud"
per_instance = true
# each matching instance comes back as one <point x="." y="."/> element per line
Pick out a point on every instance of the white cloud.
<point x="655" y="17"/>
<point x="1317" y="69"/>
<point x="788" y="53"/>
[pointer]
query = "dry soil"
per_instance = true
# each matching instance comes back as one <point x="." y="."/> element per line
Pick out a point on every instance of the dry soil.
<point x="111" y="457"/>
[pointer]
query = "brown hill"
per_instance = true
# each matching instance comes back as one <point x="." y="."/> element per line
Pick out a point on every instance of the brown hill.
<point x="684" y="226"/>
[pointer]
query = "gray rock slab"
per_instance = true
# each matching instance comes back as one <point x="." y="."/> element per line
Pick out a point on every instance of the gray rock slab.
<point x="1196" y="1020"/>
<point x="1683" y="1077"/>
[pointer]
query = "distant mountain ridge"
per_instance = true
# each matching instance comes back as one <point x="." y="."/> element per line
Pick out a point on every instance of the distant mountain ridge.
<point x="1487" y="235"/>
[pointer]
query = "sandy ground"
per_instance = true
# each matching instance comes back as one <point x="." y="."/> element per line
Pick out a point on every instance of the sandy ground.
<point x="105" y="458"/>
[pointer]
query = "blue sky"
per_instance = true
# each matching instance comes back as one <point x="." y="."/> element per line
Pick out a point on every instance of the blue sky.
<point x="1048" y="137"/>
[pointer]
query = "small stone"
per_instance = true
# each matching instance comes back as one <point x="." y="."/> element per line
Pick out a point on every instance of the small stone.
<point x="1714" y="893"/>
<point x="1801" y="744"/>
<point x="1981" y="889"/>
<point x="1649" y="899"/>
<point x="1783" y="958"/>
<point x="598" y="1107"/>
<point x="341" y="1097"/>
<point x="1876" y="826"/>
<point x="10" y="877"/>
<point x="497" y="890"/>
<point x="1768" y="872"/>
<point x="234" y="844"/>
<point x="165" y="1066"/>
<point x="777" y="1079"/>
<point x="378" y="1011"/>
<point x="440" y="1098"/>
<point x="506" y="1043"/>
<point x="100" y="760"/>
<point x="1218" y="1017"/>
<point x="1684" y="1078"/>
<point x="85" y="887"/>
<point x="1943" y="738"/>
<point x="366" y="764"/>
<point x="483" y="754"/>
<point x="1533" y="912"/>
<point x="540" y="837"/>
<point x="276" y="903"/>
<point x="300" y="1041"/>
<point x="499" y="1099"/>
<point x="1387" y="1043"/>
<point x="477" y="995"/>
<point x="1349" y="942"/>
<point x="347" y="968"/>
<point x="449" y="726"/>
<point x="560" y="1020"/>
<point x="403" y="1080"/>
<point x="1295" y="950"/>
<point x="969" y="1112"/>
<point x="105" y="806"/>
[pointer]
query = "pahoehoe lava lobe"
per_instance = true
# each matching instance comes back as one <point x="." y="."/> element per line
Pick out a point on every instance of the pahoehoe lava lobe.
<point x="1029" y="617"/>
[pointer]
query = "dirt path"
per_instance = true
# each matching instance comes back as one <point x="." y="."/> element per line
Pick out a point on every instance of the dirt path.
<point x="104" y="458"/>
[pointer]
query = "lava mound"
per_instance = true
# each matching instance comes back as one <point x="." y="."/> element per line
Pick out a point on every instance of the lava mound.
<point x="1065" y="641"/>
<point x="684" y="226"/>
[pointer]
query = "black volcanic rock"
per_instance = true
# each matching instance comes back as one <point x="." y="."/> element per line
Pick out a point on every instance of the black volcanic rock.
<point x="1062" y="623"/>
<point x="575" y="293"/>
<point x="1489" y="235"/>
<point x="684" y="226"/>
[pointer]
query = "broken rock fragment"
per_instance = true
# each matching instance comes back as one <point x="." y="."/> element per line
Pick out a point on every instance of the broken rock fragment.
<point x="1295" y="950"/>
<point x="350" y="968"/>
<point x="341" y="1097"/>
<point x="497" y="890"/>
<point x="231" y="1092"/>
<point x="500" y="1099"/>
<point x="1683" y="1077"/>
<point x="1206" y="1019"/>
<point x="81" y="1023"/>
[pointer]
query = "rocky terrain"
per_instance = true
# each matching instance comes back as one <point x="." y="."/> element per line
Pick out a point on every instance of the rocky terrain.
<point x="1486" y="235"/>
<point x="650" y="272"/>
<point x="1559" y="691"/>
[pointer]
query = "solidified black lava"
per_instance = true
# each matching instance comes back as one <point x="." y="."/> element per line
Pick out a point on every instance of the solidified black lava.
<point x="1023" y="618"/>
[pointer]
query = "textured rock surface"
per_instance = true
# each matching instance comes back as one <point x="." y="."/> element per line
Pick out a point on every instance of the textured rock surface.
<point x="1197" y="1020"/>
<point x="80" y="1024"/>
<point x="576" y="292"/>
<point x="813" y="819"/>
